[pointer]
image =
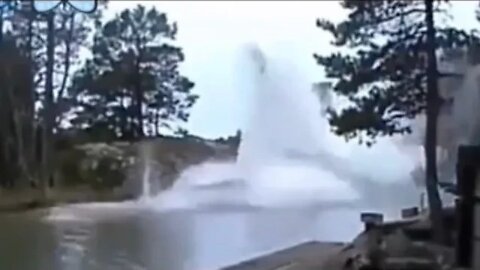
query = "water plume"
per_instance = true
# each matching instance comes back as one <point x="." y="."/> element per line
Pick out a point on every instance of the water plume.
<point x="288" y="158"/>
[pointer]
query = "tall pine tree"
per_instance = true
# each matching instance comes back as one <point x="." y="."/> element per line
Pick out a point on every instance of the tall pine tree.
<point x="132" y="85"/>
<point x="49" y="43"/>
<point x="391" y="74"/>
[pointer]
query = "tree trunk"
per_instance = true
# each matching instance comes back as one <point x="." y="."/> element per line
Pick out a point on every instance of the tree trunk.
<point x="1" y="26"/>
<point x="18" y="122"/>
<point x="156" y="122"/>
<point x="31" y="132"/>
<point x="139" y="114"/>
<point x="138" y="104"/>
<point x="70" y="24"/>
<point x="124" y="122"/>
<point x="48" y="116"/>
<point x="431" y="177"/>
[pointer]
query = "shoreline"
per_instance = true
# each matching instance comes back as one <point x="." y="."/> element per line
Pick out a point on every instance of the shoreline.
<point x="18" y="201"/>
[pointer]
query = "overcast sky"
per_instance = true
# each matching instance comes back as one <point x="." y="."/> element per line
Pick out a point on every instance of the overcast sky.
<point x="212" y="32"/>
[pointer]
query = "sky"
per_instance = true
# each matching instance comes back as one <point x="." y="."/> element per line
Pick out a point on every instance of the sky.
<point x="213" y="32"/>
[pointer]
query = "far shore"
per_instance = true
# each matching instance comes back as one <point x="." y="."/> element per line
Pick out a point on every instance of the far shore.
<point x="12" y="201"/>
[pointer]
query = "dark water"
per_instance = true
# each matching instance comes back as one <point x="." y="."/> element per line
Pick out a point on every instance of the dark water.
<point x="115" y="237"/>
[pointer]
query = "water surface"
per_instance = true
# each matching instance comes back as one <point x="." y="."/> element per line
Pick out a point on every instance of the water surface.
<point x="111" y="237"/>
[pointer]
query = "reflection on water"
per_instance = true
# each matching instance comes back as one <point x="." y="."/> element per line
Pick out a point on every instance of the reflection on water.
<point x="103" y="239"/>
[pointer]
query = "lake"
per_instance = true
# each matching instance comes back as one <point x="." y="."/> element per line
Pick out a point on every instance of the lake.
<point x="127" y="236"/>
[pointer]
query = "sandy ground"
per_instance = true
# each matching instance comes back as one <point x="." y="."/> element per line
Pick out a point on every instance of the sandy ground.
<point x="306" y="256"/>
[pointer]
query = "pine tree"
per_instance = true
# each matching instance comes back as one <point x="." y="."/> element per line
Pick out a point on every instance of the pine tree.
<point x="50" y="43"/>
<point x="132" y="84"/>
<point x="391" y="74"/>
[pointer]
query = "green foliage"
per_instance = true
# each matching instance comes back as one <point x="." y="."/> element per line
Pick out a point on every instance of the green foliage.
<point x="70" y="167"/>
<point x="23" y="80"/>
<point x="71" y="30"/>
<point x="129" y="86"/>
<point x="107" y="174"/>
<point x="16" y="113"/>
<point x="132" y="83"/>
<point x="384" y="76"/>
<point x="98" y="166"/>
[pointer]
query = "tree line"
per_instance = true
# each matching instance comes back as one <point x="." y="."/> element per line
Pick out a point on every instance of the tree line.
<point x="71" y="77"/>
<point x="391" y="74"/>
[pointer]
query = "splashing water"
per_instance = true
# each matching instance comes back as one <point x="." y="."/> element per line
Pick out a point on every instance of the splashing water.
<point x="285" y="159"/>
<point x="145" y="154"/>
<point x="458" y="120"/>
<point x="282" y="117"/>
<point x="146" y="190"/>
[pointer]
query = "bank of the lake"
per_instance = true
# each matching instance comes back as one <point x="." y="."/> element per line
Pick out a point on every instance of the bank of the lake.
<point x="114" y="171"/>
